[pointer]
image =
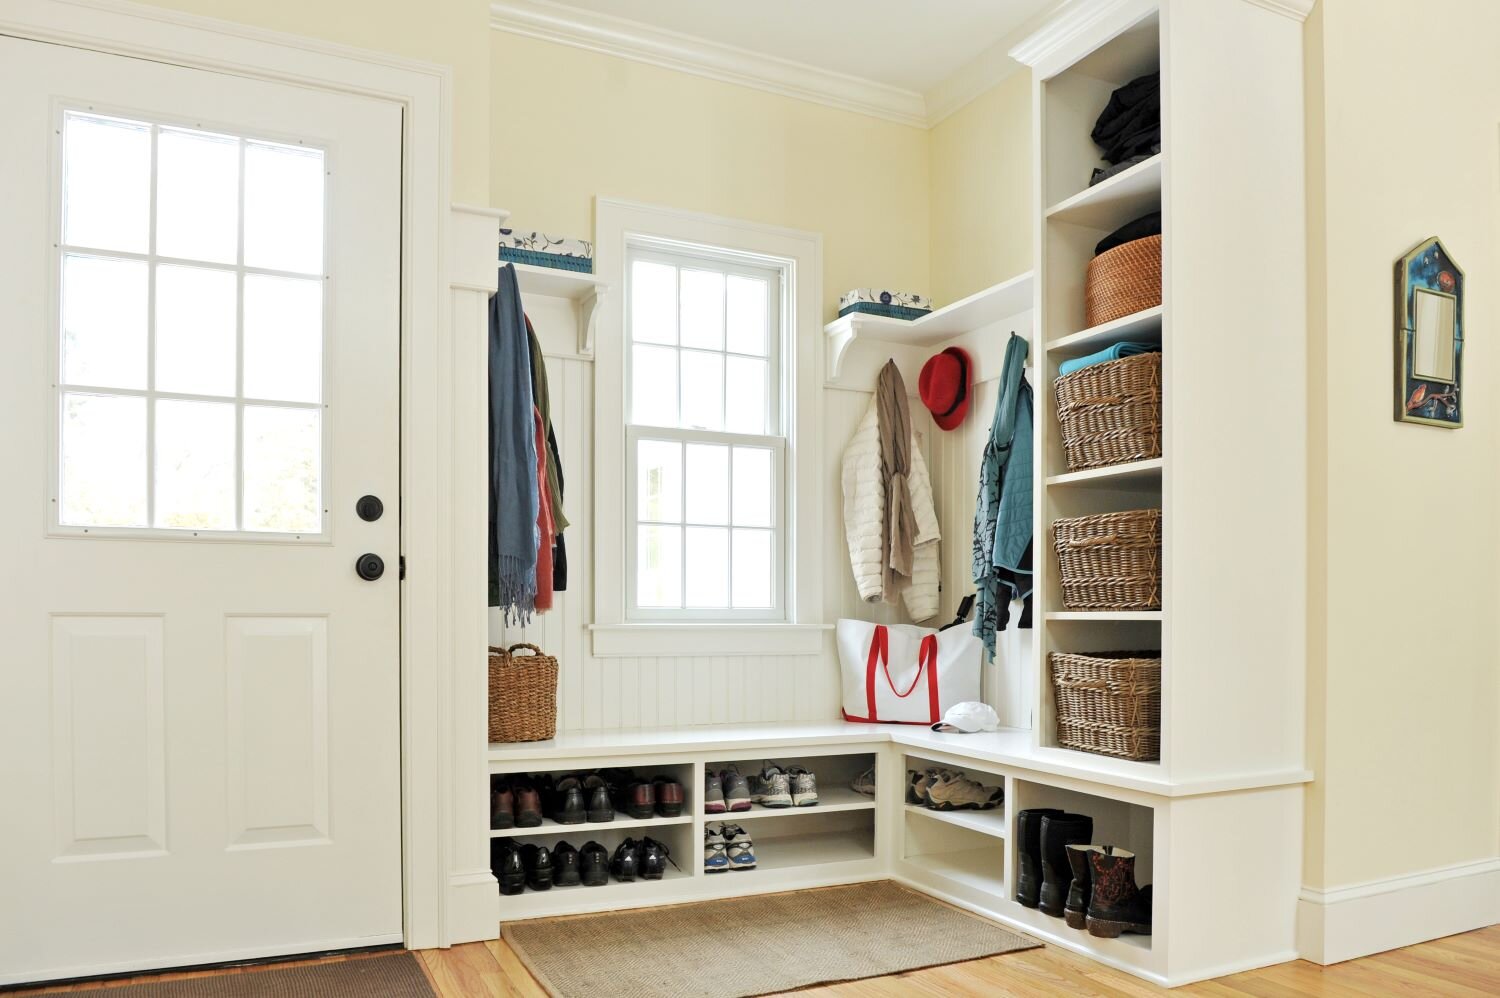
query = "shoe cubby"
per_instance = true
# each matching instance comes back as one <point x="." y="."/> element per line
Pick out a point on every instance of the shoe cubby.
<point x="681" y="773"/>
<point x="834" y="775"/>
<point x="788" y="842"/>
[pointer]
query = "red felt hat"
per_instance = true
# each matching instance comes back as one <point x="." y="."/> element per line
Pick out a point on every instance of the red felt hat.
<point x="944" y="387"/>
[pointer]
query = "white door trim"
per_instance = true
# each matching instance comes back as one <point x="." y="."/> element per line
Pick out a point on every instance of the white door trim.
<point x="442" y="736"/>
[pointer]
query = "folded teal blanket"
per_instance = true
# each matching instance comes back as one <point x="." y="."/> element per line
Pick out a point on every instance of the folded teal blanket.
<point x="1116" y="352"/>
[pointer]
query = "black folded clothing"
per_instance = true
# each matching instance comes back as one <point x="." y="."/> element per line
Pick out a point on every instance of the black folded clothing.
<point x="1131" y="122"/>
<point x="1140" y="228"/>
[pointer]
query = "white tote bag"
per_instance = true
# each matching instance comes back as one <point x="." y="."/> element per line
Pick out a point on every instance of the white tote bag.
<point x="903" y="674"/>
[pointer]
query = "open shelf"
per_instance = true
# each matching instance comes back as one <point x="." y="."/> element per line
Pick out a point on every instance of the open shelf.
<point x="1111" y="203"/>
<point x="991" y="822"/>
<point x="1133" y="475"/>
<point x="831" y="800"/>
<point x="1145" y="615"/>
<point x="551" y="828"/>
<point x="976" y="869"/>
<point x="1139" y="327"/>
<point x="782" y="852"/>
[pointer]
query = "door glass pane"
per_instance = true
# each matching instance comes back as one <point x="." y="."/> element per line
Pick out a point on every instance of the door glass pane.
<point x="702" y="390"/>
<point x="653" y="302"/>
<point x="106" y="183"/>
<point x="283" y="338"/>
<point x="195" y="317"/>
<point x="197" y="195"/>
<point x="659" y="480"/>
<point x="707" y="483"/>
<point x="103" y="322"/>
<point x="103" y="447"/>
<point x="745" y="401"/>
<point x="747" y="315"/>
<point x="703" y="309"/>
<point x="195" y="457"/>
<point x="752" y="487"/>
<point x="752" y="569"/>
<point x="283" y="207"/>
<point x="653" y="385"/>
<point x="707" y="567"/>
<point x="283" y="462"/>
<point x="658" y="566"/>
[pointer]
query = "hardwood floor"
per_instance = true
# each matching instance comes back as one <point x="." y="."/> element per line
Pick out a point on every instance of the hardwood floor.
<point x="1463" y="966"/>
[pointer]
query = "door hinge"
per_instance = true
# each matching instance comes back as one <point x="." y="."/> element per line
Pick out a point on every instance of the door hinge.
<point x="401" y="569"/>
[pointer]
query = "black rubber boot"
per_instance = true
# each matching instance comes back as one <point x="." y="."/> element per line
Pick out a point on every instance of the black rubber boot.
<point x="1058" y="832"/>
<point x="505" y="864"/>
<point x="1029" y="853"/>
<point x="1116" y="905"/>
<point x="1075" y="912"/>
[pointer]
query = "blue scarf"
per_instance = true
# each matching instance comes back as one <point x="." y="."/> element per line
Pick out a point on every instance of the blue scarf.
<point x="514" y="495"/>
<point x="1002" y="513"/>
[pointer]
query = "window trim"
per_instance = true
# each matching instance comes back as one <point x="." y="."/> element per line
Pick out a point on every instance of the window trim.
<point x="799" y="630"/>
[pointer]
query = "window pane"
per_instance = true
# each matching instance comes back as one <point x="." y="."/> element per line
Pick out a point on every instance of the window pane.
<point x="283" y="470"/>
<point x="703" y="309"/>
<point x="106" y="183"/>
<point x="195" y="310"/>
<point x="103" y="322"/>
<point x="195" y="456"/>
<point x="745" y="402"/>
<point x="103" y="461"/>
<point x="653" y="386"/>
<point x="283" y="338"/>
<point x="197" y="195"/>
<point x="752" y="487"/>
<point x="283" y="208"/>
<point x="707" y="567"/>
<point x="658" y="493"/>
<point x="747" y="315"/>
<point x="707" y="483"/>
<point x="658" y="567"/>
<point x="653" y="302"/>
<point x="702" y="390"/>
<point x="752" y="569"/>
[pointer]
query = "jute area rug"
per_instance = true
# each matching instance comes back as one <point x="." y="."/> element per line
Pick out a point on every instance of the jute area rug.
<point x="395" y="976"/>
<point x="754" y="945"/>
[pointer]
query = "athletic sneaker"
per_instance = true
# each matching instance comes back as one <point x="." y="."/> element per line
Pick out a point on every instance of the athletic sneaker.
<point x="804" y="787"/>
<point x="771" y="788"/>
<point x="864" y="783"/>
<point x="736" y="789"/>
<point x="713" y="794"/>
<point x="715" y="858"/>
<point x="959" y="793"/>
<point x="738" y="848"/>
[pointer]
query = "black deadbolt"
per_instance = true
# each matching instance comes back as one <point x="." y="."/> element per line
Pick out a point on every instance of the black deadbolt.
<point x="369" y="508"/>
<point x="370" y="567"/>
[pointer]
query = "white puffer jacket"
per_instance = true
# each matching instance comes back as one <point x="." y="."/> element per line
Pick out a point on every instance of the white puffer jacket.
<point x="864" y="510"/>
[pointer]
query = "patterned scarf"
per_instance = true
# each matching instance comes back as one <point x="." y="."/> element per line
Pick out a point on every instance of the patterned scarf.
<point x="899" y="529"/>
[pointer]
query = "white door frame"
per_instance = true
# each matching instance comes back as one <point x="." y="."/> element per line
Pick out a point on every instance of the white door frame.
<point x="449" y="895"/>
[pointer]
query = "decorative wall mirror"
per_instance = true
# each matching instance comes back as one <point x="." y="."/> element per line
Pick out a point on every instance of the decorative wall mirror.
<point x="1429" y="336"/>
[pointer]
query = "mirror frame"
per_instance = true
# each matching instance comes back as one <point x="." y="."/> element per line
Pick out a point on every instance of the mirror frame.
<point x="1428" y="267"/>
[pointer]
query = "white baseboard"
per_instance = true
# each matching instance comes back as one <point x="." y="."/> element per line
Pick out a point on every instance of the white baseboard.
<point x="473" y="907"/>
<point x="1349" y="922"/>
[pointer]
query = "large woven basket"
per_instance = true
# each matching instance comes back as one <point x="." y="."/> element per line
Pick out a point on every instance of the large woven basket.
<point x="1123" y="281"/>
<point x="1109" y="702"/>
<point x="1111" y="561"/>
<point x="1110" y="413"/>
<point x="523" y="695"/>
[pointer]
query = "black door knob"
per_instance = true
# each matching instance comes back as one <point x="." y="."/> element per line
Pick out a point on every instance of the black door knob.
<point x="369" y="508"/>
<point x="370" y="567"/>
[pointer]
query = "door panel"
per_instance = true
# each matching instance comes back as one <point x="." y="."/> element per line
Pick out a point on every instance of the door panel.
<point x="199" y="698"/>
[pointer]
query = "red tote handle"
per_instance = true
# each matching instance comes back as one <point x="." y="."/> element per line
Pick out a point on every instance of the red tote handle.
<point x="880" y="657"/>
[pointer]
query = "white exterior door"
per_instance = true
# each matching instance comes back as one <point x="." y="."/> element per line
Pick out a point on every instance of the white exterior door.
<point x="200" y="324"/>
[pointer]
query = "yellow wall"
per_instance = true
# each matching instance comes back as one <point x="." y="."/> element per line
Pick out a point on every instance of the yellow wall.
<point x="980" y="164"/>
<point x="571" y="125"/>
<point x="454" y="33"/>
<point x="1405" y="673"/>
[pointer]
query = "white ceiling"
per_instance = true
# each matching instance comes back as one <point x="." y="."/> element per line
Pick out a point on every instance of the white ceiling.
<point x="914" y="45"/>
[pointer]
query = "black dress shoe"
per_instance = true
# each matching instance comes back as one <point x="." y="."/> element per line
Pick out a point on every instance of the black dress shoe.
<point x="505" y="864"/>
<point x="566" y="869"/>
<point x="538" y="864"/>
<point x="593" y="865"/>
<point x="626" y="864"/>
<point x="567" y="802"/>
<point x="654" y="859"/>
<point x="596" y="796"/>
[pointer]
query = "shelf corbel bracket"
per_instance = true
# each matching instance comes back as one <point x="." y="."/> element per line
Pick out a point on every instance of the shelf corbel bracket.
<point x="841" y="333"/>
<point x="588" y="317"/>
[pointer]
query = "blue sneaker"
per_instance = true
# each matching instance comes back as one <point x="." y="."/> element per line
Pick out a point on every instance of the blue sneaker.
<point x="737" y="847"/>
<point x="715" y="854"/>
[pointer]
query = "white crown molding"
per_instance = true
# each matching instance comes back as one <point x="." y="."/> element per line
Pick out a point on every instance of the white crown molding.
<point x="1076" y="21"/>
<point x="688" y="54"/>
<point x="1297" y="10"/>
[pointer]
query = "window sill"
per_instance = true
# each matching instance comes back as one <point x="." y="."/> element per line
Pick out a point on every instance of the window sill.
<point x="652" y="640"/>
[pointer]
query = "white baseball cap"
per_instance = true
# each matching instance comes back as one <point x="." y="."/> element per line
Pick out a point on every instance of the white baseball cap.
<point x="969" y="717"/>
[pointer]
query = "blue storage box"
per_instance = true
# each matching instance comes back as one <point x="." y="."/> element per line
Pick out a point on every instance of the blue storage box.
<point x="541" y="250"/>
<point x="882" y="301"/>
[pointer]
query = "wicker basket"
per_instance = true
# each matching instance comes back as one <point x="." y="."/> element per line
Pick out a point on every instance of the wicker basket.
<point x="1110" y="413"/>
<point x="523" y="695"/>
<point x="1111" y="561"/>
<point x="1109" y="702"/>
<point x="1123" y="281"/>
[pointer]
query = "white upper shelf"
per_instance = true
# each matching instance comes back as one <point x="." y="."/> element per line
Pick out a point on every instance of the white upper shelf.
<point x="964" y="316"/>
<point x="1111" y="203"/>
<point x="586" y="289"/>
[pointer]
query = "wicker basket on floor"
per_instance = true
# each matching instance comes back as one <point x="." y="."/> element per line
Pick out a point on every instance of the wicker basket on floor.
<point x="1122" y="281"/>
<point x="1110" y="561"/>
<point x="1109" y="702"/>
<point x="523" y="695"/>
<point x="1110" y="413"/>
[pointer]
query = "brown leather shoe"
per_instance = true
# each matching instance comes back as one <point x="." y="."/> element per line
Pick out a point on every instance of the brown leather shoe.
<point x="528" y="804"/>
<point x="668" y="793"/>
<point x="638" y="799"/>
<point x="502" y="806"/>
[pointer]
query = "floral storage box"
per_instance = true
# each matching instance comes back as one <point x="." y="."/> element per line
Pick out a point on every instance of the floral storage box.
<point x="542" y="250"/>
<point x="880" y="301"/>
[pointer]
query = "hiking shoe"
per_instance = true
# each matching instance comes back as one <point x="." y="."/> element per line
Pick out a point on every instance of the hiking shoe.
<point x="864" y="783"/>
<point x="738" y="848"/>
<point x="654" y="859"/>
<point x="804" y="787"/>
<point x="736" y="789"/>
<point x="713" y="794"/>
<point x="771" y="788"/>
<point x="919" y="791"/>
<point x="715" y="856"/>
<point x="957" y="792"/>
